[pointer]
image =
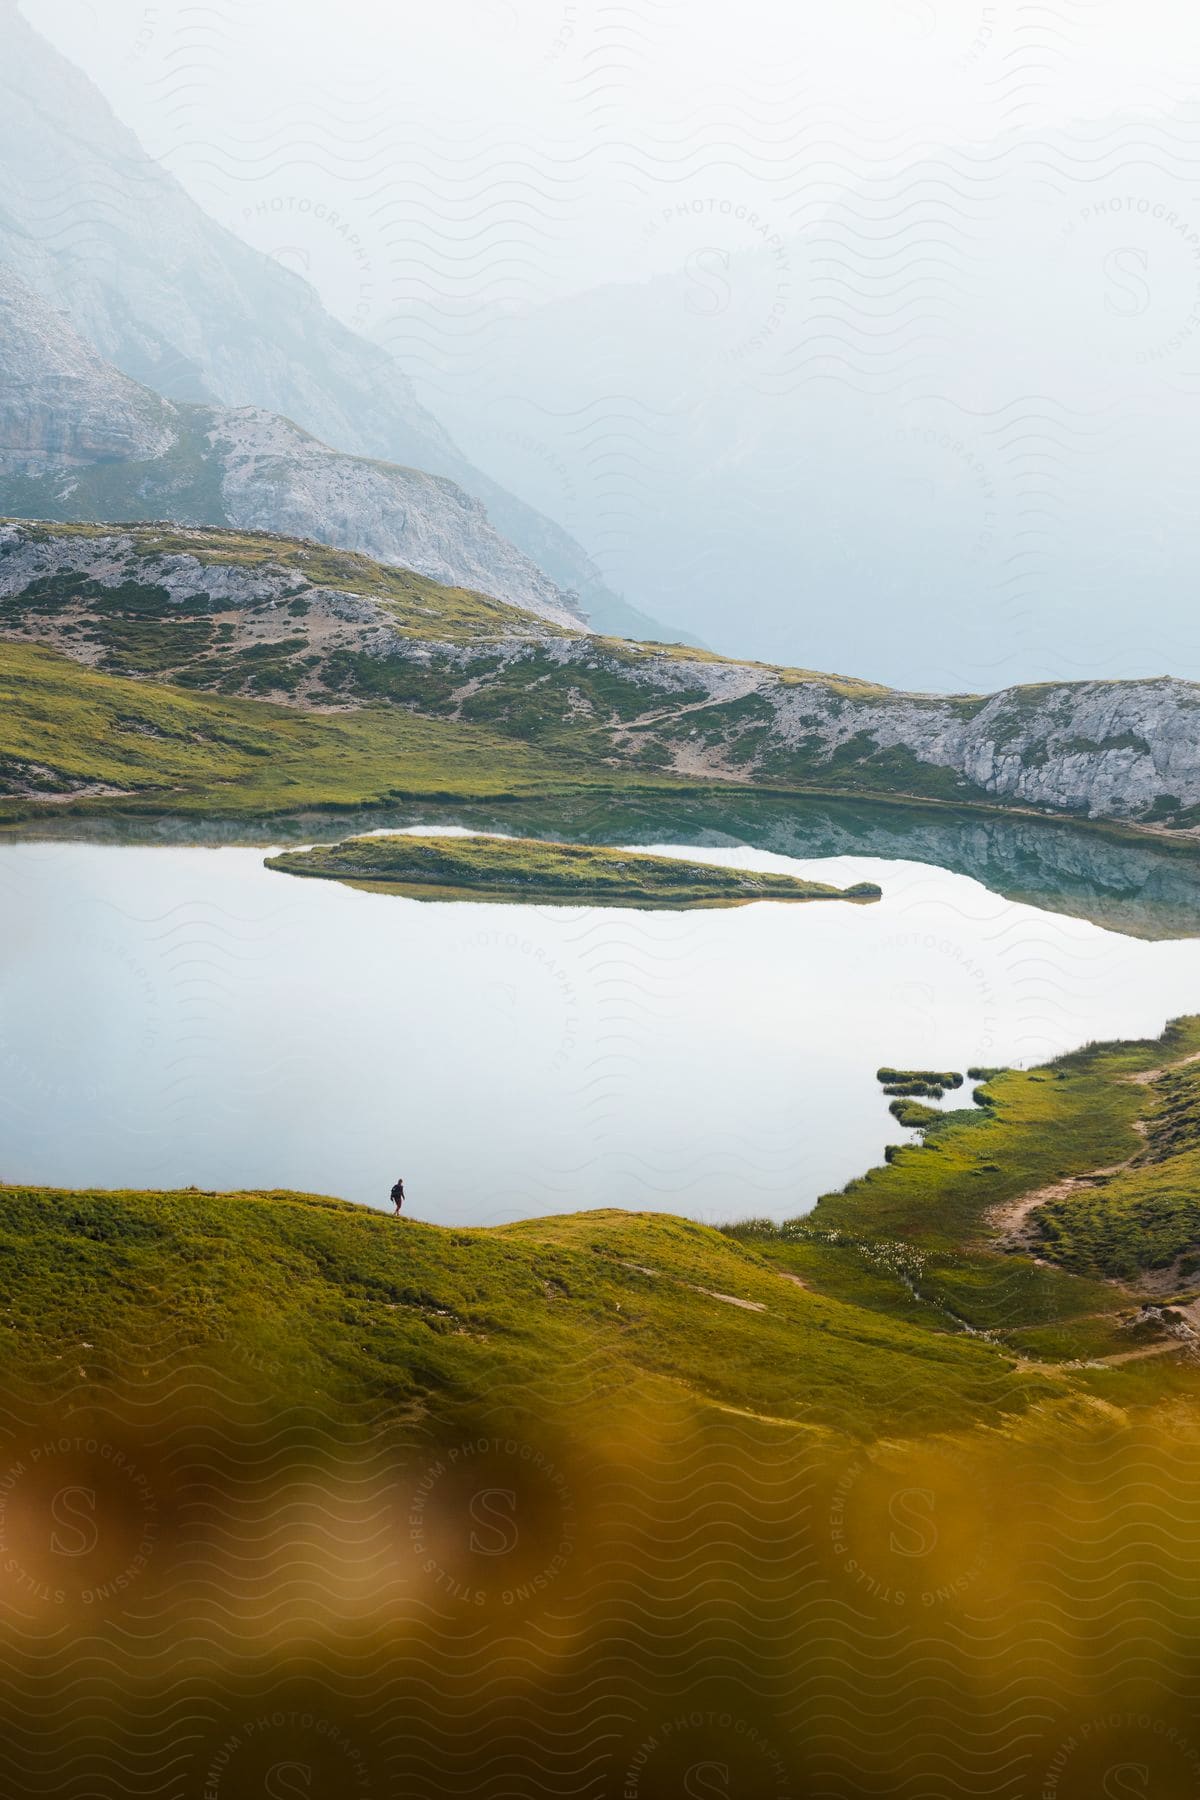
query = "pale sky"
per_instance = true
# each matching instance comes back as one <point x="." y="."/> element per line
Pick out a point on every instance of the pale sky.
<point x="484" y="149"/>
<point x="965" y="382"/>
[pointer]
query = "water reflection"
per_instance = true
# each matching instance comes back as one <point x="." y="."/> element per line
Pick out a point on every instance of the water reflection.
<point x="1125" y="882"/>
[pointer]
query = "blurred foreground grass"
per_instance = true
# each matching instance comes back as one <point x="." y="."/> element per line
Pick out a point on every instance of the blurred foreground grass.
<point x="296" y="1498"/>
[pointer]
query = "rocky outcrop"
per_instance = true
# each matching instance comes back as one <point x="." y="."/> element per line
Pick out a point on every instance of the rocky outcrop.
<point x="275" y="477"/>
<point x="1108" y="749"/>
<point x="279" y="618"/>
<point x="1104" y="749"/>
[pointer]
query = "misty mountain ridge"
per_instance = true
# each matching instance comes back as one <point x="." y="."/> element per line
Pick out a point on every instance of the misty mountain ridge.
<point x="81" y="441"/>
<point x="98" y="229"/>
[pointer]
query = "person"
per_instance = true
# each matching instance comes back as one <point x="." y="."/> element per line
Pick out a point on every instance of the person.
<point x="398" y="1193"/>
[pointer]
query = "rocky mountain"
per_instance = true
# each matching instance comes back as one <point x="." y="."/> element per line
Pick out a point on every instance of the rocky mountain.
<point x="312" y="627"/>
<point x="173" y="300"/>
<point x="80" y="440"/>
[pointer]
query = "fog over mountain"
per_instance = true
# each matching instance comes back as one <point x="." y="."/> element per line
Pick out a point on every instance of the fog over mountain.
<point x="923" y="439"/>
<point x="81" y="441"/>
<point x="170" y="298"/>
<point x="865" y="340"/>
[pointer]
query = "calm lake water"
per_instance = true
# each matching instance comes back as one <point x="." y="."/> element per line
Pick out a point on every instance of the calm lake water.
<point x="184" y="1016"/>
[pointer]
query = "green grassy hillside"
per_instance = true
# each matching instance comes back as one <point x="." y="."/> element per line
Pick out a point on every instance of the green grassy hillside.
<point x="322" y="632"/>
<point x="348" y="1306"/>
<point x="1045" y="1217"/>
<point x="95" y="743"/>
<point x="295" y="1492"/>
<point x="1142" y="1218"/>
<point x="74" y="735"/>
<point x="895" y="1305"/>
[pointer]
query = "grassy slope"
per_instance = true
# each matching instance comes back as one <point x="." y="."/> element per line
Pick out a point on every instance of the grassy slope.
<point x="913" y="1236"/>
<point x="784" y="1513"/>
<point x="170" y="748"/>
<point x="720" y="1515"/>
<point x="347" y="1304"/>
<point x="529" y="868"/>
<point x="206" y="753"/>
<point x="600" y="707"/>
<point x="1142" y="1220"/>
<point x="852" y="1319"/>
<point x="1147" y="1217"/>
<point x="166" y="748"/>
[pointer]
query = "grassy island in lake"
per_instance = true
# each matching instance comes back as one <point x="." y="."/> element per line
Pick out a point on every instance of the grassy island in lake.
<point x="497" y="868"/>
